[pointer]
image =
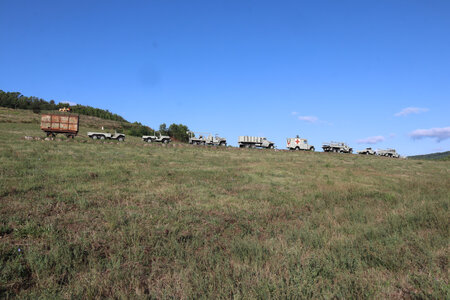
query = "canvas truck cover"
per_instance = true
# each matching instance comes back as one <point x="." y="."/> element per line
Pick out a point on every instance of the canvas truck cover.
<point x="59" y="123"/>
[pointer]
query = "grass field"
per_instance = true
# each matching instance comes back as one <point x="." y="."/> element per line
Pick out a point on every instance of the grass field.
<point x="88" y="219"/>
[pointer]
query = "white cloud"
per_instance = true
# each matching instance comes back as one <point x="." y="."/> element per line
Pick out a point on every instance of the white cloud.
<point x="294" y="113"/>
<point x="371" y="140"/>
<point x="439" y="134"/>
<point x="410" y="110"/>
<point x="310" y="119"/>
<point x="68" y="102"/>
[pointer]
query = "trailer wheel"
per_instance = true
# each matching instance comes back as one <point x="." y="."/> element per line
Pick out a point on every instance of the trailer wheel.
<point x="94" y="137"/>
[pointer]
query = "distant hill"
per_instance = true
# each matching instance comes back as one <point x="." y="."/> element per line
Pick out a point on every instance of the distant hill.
<point x="437" y="156"/>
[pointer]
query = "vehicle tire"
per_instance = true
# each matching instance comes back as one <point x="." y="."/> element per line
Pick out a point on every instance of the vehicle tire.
<point x="297" y="148"/>
<point x="203" y="143"/>
<point x="94" y="137"/>
<point x="121" y="139"/>
<point x="222" y="144"/>
<point x="165" y="141"/>
<point x="271" y="147"/>
<point x="312" y="149"/>
<point x="198" y="142"/>
<point x="102" y="137"/>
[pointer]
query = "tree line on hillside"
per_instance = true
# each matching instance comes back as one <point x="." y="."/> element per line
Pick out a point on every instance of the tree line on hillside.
<point x="16" y="100"/>
<point x="433" y="156"/>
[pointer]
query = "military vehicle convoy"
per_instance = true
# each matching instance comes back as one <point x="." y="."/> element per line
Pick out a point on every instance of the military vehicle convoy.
<point x="298" y="144"/>
<point x="388" y="153"/>
<point x="165" y="139"/>
<point x="206" y="139"/>
<point x="68" y="125"/>
<point x="255" y="142"/>
<point x="338" y="147"/>
<point x="367" y="151"/>
<point x="105" y="135"/>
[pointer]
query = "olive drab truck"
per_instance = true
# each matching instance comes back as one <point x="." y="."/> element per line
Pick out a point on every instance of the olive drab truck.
<point x="298" y="144"/>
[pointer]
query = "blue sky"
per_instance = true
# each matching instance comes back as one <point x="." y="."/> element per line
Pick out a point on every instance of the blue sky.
<point x="354" y="71"/>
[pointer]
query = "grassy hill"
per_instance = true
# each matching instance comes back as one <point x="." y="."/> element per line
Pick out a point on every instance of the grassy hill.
<point x="89" y="219"/>
<point x="437" y="155"/>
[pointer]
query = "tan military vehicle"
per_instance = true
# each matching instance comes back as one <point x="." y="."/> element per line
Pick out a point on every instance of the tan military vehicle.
<point x="388" y="153"/>
<point x="255" y="142"/>
<point x="367" y="151"/>
<point x="157" y="138"/>
<point x="338" y="147"/>
<point x="206" y="138"/>
<point x="106" y="136"/>
<point x="298" y="144"/>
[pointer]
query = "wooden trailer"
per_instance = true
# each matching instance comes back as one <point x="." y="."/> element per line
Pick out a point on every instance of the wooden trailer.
<point x="52" y="124"/>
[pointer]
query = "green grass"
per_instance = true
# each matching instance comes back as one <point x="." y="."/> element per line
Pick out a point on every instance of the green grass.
<point x="96" y="219"/>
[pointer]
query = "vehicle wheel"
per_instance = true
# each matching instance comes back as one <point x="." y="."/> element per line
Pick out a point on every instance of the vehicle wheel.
<point x="222" y="144"/>
<point x="102" y="137"/>
<point x="297" y="148"/>
<point x="271" y="147"/>
<point x="166" y="141"/>
<point x="312" y="149"/>
<point x="94" y="137"/>
<point x="121" y="139"/>
<point x="204" y="143"/>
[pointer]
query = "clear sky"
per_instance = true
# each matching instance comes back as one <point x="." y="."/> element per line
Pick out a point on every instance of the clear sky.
<point x="356" y="71"/>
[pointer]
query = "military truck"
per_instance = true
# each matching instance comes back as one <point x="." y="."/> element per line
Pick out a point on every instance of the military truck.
<point x="206" y="138"/>
<point x="255" y="142"/>
<point x="165" y="139"/>
<point x="367" y="151"/>
<point x="298" y="144"/>
<point x="388" y="153"/>
<point x="104" y="135"/>
<point x="338" y="147"/>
